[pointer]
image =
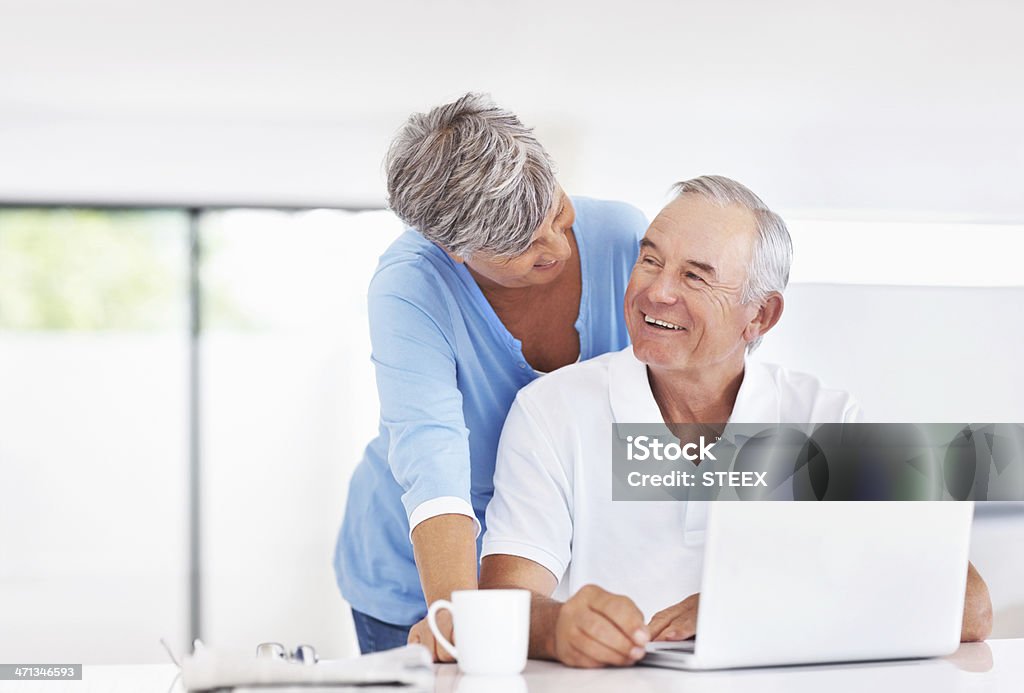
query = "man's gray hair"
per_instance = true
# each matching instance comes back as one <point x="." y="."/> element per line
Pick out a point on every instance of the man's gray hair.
<point x="470" y="177"/>
<point x="773" y="247"/>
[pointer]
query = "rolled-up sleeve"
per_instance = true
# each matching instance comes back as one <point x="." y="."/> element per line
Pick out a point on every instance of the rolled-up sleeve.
<point x="420" y="402"/>
<point x="530" y="515"/>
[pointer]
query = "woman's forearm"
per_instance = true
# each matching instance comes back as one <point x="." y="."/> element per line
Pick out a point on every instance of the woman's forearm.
<point x="445" y="550"/>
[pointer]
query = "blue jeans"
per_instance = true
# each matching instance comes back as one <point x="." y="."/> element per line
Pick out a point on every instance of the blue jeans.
<point x="375" y="635"/>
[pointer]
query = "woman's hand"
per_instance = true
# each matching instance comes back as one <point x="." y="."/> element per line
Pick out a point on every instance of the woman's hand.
<point x="421" y="633"/>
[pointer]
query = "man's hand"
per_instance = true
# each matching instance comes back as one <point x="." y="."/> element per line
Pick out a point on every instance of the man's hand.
<point x="596" y="628"/>
<point x="677" y="622"/>
<point x="977" y="621"/>
<point x="422" y="634"/>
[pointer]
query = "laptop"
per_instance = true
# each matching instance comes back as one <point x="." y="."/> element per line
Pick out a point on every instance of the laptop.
<point x="803" y="583"/>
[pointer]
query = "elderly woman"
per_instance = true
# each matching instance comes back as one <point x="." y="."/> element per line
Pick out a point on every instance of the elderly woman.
<point x="500" y="279"/>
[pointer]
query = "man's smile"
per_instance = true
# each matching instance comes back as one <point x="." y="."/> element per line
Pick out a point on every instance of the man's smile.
<point x="663" y="324"/>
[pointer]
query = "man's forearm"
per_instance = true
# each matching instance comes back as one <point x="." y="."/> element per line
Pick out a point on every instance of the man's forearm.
<point x="593" y="628"/>
<point x="445" y="550"/>
<point x="977" y="622"/>
<point x="501" y="571"/>
<point x="543" y="618"/>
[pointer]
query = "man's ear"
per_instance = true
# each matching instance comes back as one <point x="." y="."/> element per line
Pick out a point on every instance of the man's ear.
<point x="767" y="315"/>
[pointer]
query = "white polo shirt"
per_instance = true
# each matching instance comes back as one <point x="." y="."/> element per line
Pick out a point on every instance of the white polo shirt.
<point x="552" y="497"/>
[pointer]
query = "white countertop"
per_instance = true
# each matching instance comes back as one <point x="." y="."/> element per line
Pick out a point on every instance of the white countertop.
<point x="997" y="665"/>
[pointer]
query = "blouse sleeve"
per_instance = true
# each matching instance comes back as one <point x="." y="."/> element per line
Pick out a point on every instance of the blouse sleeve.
<point x="420" y="402"/>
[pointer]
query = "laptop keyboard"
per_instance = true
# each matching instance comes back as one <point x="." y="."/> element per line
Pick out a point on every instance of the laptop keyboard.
<point x="681" y="646"/>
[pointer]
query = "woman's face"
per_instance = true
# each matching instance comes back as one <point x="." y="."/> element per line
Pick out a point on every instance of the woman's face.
<point x="547" y="256"/>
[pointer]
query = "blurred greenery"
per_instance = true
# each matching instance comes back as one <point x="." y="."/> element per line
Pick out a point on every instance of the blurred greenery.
<point x="86" y="270"/>
<point x="93" y="270"/>
<point x="222" y="304"/>
<point x="66" y="269"/>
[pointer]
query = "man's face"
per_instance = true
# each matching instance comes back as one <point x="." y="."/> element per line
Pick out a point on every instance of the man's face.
<point x="690" y="274"/>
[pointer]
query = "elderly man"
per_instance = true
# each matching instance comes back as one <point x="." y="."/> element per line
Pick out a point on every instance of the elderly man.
<point x="706" y="288"/>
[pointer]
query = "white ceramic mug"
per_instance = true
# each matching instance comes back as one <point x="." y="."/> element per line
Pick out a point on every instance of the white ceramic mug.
<point x="492" y="628"/>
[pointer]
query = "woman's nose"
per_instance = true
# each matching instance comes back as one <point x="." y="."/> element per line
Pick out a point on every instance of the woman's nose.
<point x="557" y="243"/>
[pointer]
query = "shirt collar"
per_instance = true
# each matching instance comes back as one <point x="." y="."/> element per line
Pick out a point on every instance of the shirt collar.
<point x="629" y="390"/>
<point x="758" y="398"/>
<point x="632" y="401"/>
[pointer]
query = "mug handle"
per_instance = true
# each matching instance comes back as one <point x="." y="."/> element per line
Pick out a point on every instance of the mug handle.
<point x="432" y="622"/>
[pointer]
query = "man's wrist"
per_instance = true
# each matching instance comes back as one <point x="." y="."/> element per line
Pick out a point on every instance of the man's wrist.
<point x="544" y="622"/>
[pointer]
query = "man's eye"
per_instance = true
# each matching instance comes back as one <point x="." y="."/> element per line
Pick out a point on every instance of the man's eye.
<point x="648" y="260"/>
<point x="691" y="275"/>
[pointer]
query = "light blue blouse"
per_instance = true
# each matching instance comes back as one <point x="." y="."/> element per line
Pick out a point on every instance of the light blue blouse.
<point x="447" y="373"/>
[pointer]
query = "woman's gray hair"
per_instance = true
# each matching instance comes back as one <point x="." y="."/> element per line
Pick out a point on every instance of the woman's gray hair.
<point x="470" y="177"/>
<point x="773" y="248"/>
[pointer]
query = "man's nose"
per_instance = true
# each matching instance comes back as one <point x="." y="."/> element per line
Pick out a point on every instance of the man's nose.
<point x="663" y="290"/>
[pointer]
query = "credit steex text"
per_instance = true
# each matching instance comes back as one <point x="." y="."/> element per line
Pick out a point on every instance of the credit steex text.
<point x="644" y="448"/>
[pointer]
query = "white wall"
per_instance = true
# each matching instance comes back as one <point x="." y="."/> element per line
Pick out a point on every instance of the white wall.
<point x="93" y="501"/>
<point x="907" y="106"/>
<point x="909" y="353"/>
<point x="288" y="407"/>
